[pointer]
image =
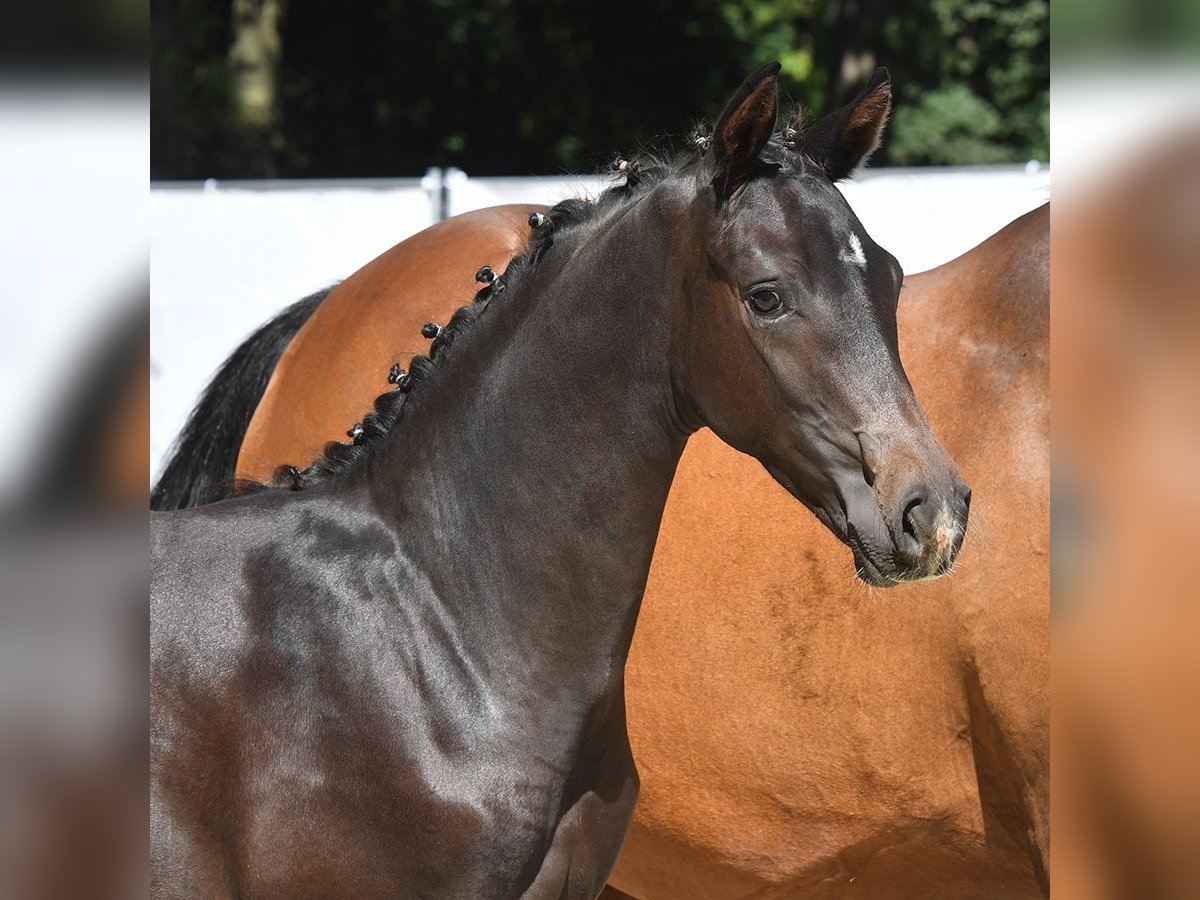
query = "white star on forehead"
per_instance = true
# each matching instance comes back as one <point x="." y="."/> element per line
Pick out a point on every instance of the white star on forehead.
<point x="853" y="253"/>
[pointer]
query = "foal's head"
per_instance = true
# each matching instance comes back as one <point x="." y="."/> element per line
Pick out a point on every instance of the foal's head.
<point x="784" y="340"/>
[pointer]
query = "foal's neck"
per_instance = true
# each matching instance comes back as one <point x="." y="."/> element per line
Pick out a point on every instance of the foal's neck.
<point x="532" y="473"/>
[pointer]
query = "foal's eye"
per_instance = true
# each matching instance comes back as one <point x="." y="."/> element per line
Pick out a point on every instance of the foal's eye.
<point x="765" y="301"/>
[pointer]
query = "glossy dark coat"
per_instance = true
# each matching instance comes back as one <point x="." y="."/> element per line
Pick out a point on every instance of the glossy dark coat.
<point x="407" y="680"/>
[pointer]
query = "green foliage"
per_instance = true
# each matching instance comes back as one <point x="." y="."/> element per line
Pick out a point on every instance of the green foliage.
<point x="189" y="88"/>
<point x="945" y="127"/>
<point x="525" y="86"/>
<point x="972" y="80"/>
<point x="1103" y="29"/>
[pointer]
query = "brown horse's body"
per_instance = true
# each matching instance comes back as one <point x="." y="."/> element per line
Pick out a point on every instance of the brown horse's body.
<point x="380" y="310"/>
<point x="796" y="734"/>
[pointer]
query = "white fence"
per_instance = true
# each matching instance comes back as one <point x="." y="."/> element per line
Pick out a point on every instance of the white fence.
<point x="226" y="257"/>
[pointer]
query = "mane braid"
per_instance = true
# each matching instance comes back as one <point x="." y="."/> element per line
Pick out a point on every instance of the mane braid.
<point x="639" y="174"/>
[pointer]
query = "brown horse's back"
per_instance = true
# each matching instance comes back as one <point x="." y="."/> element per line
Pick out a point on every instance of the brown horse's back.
<point x="796" y="733"/>
<point x="337" y="364"/>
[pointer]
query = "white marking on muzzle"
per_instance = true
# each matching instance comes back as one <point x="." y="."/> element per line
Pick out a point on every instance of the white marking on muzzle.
<point x="945" y="533"/>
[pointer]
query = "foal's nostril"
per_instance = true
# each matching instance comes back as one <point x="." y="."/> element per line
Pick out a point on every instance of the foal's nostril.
<point x="930" y="529"/>
<point x="909" y="519"/>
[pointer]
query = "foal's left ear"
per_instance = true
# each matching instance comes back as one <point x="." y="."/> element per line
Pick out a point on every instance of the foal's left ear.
<point x="841" y="141"/>
<point x="745" y="127"/>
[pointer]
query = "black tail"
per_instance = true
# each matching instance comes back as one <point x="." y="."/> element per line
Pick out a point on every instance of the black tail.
<point x="203" y="459"/>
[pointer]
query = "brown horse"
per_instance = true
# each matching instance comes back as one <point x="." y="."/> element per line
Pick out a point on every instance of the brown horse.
<point x="383" y="326"/>
<point x="795" y="735"/>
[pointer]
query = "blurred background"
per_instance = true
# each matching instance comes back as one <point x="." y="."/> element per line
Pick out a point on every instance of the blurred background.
<point x="74" y="325"/>
<point x="264" y="88"/>
<point x="1125" y="338"/>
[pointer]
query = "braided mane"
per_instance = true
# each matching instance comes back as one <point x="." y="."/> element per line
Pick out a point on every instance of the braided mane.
<point x="568" y="217"/>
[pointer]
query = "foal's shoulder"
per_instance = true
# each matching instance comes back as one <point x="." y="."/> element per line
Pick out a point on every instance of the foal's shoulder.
<point x="225" y="527"/>
<point x="204" y="556"/>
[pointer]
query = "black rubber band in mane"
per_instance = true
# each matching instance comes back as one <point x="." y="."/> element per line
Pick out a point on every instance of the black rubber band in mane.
<point x="565" y="218"/>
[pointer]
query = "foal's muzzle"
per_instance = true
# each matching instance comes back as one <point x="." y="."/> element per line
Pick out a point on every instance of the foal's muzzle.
<point x="928" y="531"/>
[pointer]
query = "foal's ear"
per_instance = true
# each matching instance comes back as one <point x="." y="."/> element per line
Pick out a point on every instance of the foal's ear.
<point x="841" y="141"/>
<point x="745" y="127"/>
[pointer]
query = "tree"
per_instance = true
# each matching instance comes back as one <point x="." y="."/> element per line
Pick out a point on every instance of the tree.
<point x="254" y="70"/>
<point x="516" y="86"/>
